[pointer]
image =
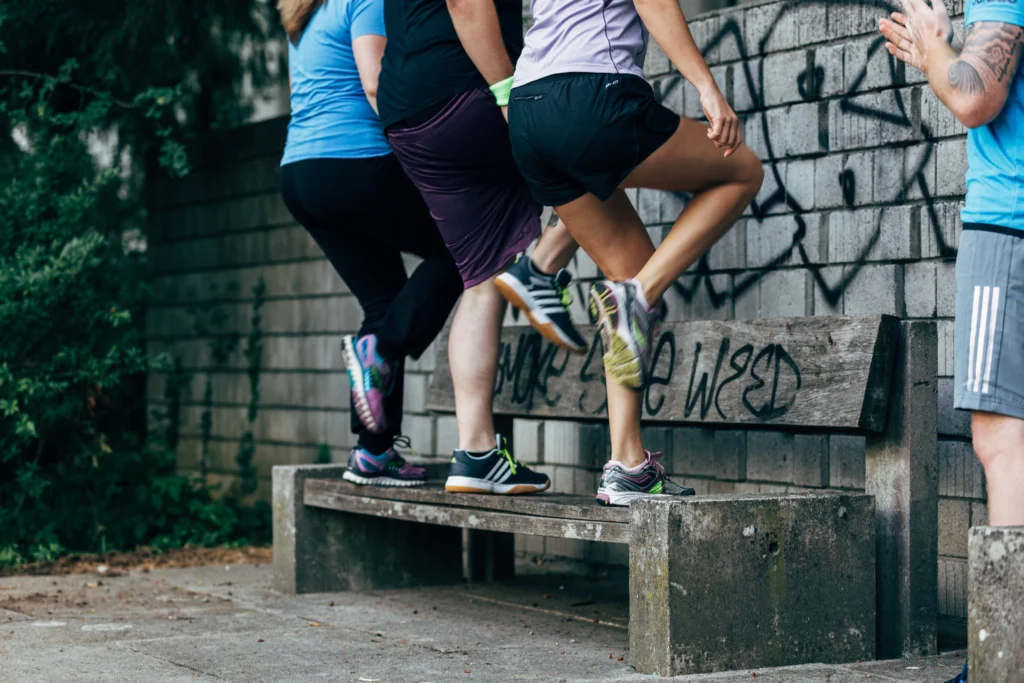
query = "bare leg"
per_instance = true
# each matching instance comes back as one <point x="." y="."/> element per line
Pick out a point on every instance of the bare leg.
<point x="999" y="444"/>
<point x="723" y="188"/>
<point x="613" y="235"/>
<point x="555" y="249"/>
<point x="473" y="358"/>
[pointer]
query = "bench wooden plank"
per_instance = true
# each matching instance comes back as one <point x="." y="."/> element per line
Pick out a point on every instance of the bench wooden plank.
<point x="818" y="372"/>
<point x="469" y="518"/>
<point x="556" y="505"/>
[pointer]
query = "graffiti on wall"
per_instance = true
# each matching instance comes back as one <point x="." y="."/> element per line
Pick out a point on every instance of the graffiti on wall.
<point x="809" y="82"/>
<point x="760" y="381"/>
<point x="809" y="85"/>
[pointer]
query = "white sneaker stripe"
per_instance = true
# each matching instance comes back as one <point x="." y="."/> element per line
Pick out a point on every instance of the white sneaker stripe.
<point x="497" y="466"/>
<point x="986" y="293"/>
<point x="991" y="338"/>
<point x="505" y="477"/>
<point x="974" y="332"/>
<point x="497" y="477"/>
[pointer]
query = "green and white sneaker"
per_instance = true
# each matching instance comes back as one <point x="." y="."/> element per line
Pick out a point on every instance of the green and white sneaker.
<point x="621" y="485"/>
<point x="626" y="326"/>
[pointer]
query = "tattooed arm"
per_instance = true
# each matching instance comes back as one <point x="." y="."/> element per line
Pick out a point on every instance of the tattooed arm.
<point x="973" y="83"/>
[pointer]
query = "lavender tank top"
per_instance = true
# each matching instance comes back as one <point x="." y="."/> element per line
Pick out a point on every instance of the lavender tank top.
<point x="589" y="36"/>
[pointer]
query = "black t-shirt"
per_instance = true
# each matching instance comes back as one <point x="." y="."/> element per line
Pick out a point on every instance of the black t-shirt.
<point x="424" y="62"/>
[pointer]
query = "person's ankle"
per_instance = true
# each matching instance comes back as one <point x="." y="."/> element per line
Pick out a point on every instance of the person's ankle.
<point x="647" y="294"/>
<point x="479" y="443"/>
<point x="536" y="268"/>
<point x="631" y="459"/>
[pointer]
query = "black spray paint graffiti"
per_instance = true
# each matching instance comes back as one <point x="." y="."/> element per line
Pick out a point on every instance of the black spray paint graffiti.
<point x="766" y="378"/>
<point x="809" y="83"/>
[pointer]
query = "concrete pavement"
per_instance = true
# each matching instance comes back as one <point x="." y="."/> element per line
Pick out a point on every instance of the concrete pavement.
<point x="225" y="623"/>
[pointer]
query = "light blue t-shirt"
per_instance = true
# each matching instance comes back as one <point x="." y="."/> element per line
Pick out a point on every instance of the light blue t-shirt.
<point x="995" y="151"/>
<point x="331" y="117"/>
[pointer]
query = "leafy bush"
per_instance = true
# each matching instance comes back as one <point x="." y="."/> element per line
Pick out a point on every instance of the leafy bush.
<point x="78" y="470"/>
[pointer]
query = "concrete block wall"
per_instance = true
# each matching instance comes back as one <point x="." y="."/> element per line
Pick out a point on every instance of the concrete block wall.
<point x="859" y="213"/>
<point x="213" y="235"/>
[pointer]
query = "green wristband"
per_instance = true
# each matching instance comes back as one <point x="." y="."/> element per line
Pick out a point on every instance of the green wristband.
<point x="502" y="90"/>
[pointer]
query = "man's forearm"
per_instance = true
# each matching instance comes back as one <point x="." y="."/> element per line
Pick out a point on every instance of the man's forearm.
<point x="476" y="23"/>
<point x="974" y="82"/>
<point x="952" y="80"/>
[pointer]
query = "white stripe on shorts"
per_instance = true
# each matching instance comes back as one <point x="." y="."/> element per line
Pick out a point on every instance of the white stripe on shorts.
<point x="986" y="292"/>
<point x="974" y="333"/>
<point x="991" y="338"/>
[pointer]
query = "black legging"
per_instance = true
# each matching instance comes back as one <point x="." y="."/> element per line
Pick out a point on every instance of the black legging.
<point x="364" y="213"/>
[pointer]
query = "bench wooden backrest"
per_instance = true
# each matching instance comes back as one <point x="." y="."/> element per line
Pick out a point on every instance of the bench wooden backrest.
<point x="818" y="372"/>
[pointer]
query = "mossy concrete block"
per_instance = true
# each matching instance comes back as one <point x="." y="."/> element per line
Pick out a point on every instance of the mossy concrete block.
<point x="720" y="583"/>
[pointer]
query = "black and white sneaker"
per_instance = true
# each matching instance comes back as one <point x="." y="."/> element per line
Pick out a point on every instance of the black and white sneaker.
<point x="495" y="472"/>
<point x="545" y="300"/>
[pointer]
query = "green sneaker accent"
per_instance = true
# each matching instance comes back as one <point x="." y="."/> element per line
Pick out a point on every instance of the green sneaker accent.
<point x="638" y="335"/>
<point x="503" y="452"/>
<point x="564" y="294"/>
<point x="656" y="488"/>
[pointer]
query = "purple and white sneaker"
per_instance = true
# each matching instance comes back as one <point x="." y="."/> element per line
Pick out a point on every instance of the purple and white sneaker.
<point x="387" y="469"/>
<point x="371" y="377"/>
<point x="621" y="485"/>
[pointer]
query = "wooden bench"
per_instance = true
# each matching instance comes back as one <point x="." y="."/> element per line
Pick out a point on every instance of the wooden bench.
<point x="717" y="582"/>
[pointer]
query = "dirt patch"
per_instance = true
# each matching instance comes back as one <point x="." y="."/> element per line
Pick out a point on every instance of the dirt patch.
<point x="142" y="560"/>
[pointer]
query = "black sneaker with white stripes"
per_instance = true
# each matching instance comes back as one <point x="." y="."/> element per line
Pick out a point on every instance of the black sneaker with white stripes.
<point x="545" y="300"/>
<point x="493" y="472"/>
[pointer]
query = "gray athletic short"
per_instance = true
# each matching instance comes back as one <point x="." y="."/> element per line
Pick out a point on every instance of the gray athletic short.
<point x="989" y="335"/>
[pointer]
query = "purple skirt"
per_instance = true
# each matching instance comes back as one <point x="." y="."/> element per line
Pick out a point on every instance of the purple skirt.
<point x="461" y="162"/>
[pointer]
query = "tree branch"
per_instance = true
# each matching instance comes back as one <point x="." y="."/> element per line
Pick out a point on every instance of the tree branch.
<point x="14" y="73"/>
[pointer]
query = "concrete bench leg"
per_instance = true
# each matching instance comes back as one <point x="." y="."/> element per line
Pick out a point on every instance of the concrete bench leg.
<point x="720" y="583"/>
<point x="995" y="604"/>
<point x="318" y="550"/>
<point x="491" y="556"/>
<point x="901" y="469"/>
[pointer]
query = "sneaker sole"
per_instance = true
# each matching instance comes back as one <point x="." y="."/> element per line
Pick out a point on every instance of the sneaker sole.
<point x="621" y="361"/>
<point x="516" y="294"/>
<point x="355" y="378"/>
<point x="381" y="481"/>
<point x="622" y="498"/>
<point x="472" y="485"/>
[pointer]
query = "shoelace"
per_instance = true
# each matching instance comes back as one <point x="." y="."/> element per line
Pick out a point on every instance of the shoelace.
<point x="564" y="294"/>
<point x="402" y="441"/>
<point x="657" y="465"/>
<point x="503" y="452"/>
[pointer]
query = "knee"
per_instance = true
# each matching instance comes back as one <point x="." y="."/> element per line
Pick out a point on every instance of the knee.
<point x="484" y="294"/>
<point x="752" y="172"/>
<point x="996" y="438"/>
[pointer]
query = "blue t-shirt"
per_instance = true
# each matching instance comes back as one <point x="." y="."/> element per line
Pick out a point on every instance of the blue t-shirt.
<point x="331" y="117"/>
<point x="995" y="151"/>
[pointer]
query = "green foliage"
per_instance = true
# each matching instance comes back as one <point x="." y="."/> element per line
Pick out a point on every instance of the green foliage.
<point x="95" y="98"/>
<point x="254" y="355"/>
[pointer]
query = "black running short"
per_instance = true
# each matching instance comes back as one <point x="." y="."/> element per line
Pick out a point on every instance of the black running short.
<point x="581" y="132"/>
